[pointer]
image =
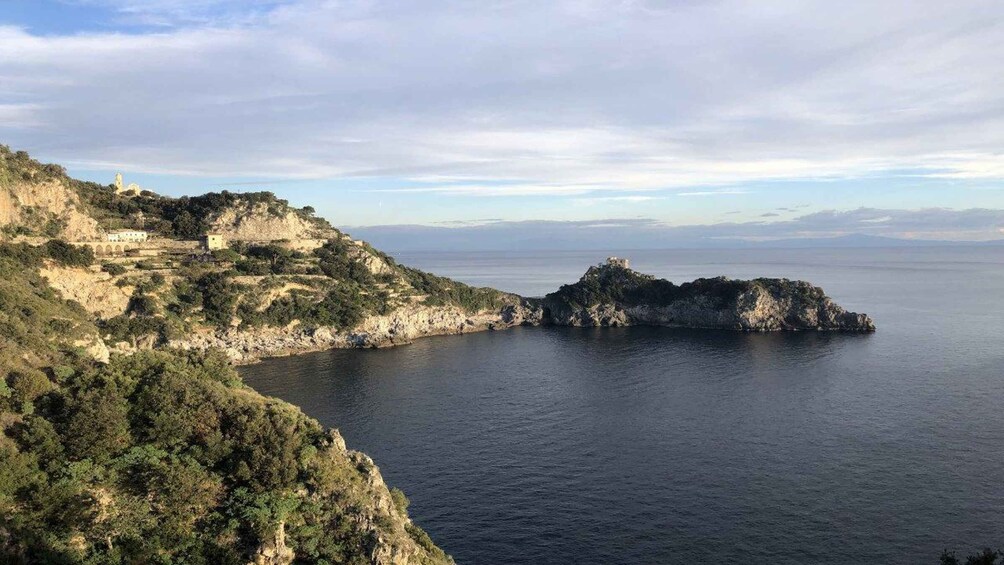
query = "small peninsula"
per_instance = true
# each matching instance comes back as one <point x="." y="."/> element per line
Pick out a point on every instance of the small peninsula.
<point x="126" y="435"/>
<point x="611" y="294"/>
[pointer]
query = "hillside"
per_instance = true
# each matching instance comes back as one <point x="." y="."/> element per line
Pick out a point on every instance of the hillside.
<point x="142" y="456"/>
<point x="41" y="201"/>
<point x="165" y="457"/>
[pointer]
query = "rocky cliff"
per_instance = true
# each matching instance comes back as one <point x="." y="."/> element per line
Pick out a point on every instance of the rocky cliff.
<point x="93" y="289"/>
<point x="261" y="222"/>
<point x="400" y="327"/>
<point x="607" y="295"/>
<point x="35" y="200"/>
<point x="614" y="295"/>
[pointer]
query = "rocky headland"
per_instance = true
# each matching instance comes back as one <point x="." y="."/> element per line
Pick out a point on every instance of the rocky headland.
<point x="611" y="294"/>
<point x="607" y="295"/>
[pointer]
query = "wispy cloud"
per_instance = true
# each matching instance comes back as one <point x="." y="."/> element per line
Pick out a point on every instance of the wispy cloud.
<point x="712" y="192"/>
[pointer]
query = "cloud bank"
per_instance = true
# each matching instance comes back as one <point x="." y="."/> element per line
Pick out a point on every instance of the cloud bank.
<point x="519" y="97"/>
<point x="860" y="227"/>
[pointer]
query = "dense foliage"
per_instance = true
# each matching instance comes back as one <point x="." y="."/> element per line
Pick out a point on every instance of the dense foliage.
<point x="167" y="458"/>
<point x="608" y="284"/>
<point x="188" y="217"/>
<point x="18" y="165"/>
<point x="442" y="291"/>
<point x="62" y="253"/>
<point x="37" y="327"/>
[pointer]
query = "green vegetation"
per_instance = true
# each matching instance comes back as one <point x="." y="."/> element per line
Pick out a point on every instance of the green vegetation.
<point x="162" y="456"/>
<point x="336" y="260"/>
<point x="167" y="458"/>
<point x="608" y="284"/>
<point x="185" y="217"/>
<point x="62" y="253"/>
<point x="342" y="307"/>
<point x="19" y="166"/>
<point x="441" y="291"/>
<point x="113" y="269"/>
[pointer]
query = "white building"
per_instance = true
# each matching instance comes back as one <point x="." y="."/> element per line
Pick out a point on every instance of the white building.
<point x="128" y="236"/>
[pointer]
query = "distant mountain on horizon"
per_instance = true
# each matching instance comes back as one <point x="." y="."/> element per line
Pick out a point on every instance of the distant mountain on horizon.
<point x="863" y="240"/>
<point x="508" y="237"/>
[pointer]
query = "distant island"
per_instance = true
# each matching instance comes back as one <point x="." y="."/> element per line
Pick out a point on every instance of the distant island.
<point x="127" y="434"/>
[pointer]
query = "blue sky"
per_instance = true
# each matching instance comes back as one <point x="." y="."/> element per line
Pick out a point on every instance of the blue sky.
<point x="447" y="113"/>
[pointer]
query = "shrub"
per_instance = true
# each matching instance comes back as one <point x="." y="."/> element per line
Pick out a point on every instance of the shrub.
<point x="113" y="269"/>
<point x="69" y="255"/>
<point x="26" y="386"/>
<point x="401" y="501"/>
<point x="219" y="298"/>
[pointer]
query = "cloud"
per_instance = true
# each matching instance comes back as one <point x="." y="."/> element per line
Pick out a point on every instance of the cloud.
<point x="974" y="224"/>
<point x="606" y="200"/>
<point x="520" y="97"/>
<point x="712" y="192"/>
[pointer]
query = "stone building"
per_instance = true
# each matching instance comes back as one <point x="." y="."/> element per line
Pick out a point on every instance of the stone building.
<point x="618" y="262"/>
<point x="132" y="190"/>
<point x="213" y="241"/>
<point x="127" y="236"/>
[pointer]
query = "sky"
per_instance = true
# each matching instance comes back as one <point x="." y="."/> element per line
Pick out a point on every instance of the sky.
<point x="694" y="120"/>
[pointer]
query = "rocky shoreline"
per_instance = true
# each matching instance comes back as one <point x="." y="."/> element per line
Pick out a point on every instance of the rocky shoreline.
<point x="719" y="304"/>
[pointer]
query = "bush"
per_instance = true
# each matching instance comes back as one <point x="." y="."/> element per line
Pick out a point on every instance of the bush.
<point x="441" y="291"/>
<point x="219" y="298"/>
<point x="985" y="557"/>
<point x="253" y="267"/>
<point x="401" y="501"/>
<point x="125" y="328"/>
<point x="26" y="386"/>
<point x="69" y="255"/>
<point x="335" y="259"/>
<point x="113" y="269"/>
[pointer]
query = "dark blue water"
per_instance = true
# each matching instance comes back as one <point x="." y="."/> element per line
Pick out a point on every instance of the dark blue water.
<point x="650" y="445"/>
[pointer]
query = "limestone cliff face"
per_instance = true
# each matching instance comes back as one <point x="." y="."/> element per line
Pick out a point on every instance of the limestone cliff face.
<point x="402" y="326"/>
<point x="259" y="223"/>
<point x="31" y="207"/>
<point x="91" y="288"/>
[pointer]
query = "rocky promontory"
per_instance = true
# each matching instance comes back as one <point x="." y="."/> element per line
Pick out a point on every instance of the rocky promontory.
<point x="608" y="295"/>
<point x="611" y="294"/>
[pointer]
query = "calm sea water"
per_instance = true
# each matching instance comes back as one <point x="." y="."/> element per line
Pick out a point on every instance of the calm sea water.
<point x="652" y="445"/>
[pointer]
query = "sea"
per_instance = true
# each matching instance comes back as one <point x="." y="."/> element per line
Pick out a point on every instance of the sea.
<point x="655" y="445"/>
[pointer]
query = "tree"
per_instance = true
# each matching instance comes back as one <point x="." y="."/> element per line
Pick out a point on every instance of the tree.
<point x="278" y="258"/>
<point x="219" y="298"/>
<point x="97" y="426"/>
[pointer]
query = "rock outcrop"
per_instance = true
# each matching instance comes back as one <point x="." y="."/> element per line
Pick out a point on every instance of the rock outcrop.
<point x="46" y="207"/>
<point x="259" y="222"/>
<point x="93" y="289"/>
<point x="614" y="295"/>
<point x="402" y="326"/>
